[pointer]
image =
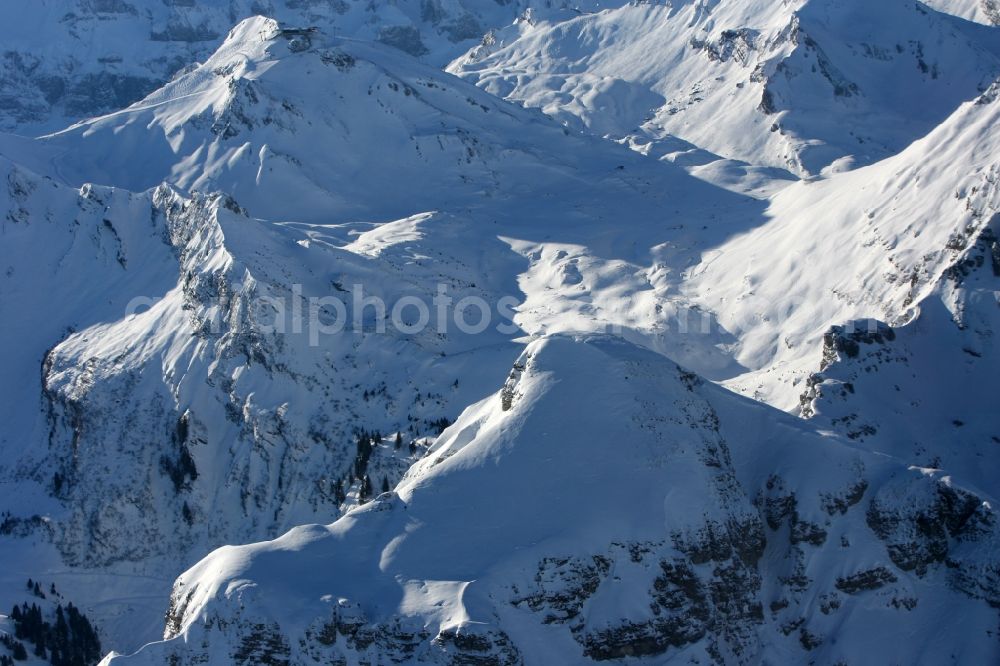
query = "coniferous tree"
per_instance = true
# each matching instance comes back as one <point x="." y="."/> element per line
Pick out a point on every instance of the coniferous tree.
<point x="187" y="514"/>
<point x="68" y="640"/>
<point x="385" y="484"/>
<point x="364" y="452"/>
<point x="365" y="491"/>
<point x="60" y="617"/>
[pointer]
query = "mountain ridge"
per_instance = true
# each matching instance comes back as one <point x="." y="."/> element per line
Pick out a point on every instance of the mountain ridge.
<point x="194" y="363"/>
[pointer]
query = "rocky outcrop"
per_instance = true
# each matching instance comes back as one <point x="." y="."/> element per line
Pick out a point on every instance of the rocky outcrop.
<point x="922" y="522"/>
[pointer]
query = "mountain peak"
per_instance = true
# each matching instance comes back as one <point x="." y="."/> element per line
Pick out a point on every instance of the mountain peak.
<point x="659" y="332"/>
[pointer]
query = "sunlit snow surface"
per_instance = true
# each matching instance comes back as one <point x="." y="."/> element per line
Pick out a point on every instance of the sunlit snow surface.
<point x="604" y="493"/>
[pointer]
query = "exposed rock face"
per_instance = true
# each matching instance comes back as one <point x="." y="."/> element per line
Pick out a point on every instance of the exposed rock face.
<point x="932" y="360"/>
<point x="173" y="505"/>
<point x="772" y="66"/>
<point x="602" y="504"/>
<point x="690" y="601"/>
<point x="758" y="562"/>
<point x="846" y="341"/>
<point x="872" y="579"/>
<point x="931" y="523"/>
<point x="696" y="592"/>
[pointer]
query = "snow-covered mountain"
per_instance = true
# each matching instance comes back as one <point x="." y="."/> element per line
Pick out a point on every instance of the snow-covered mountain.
<point x="64" y="60"/>
<point x="667" y="519"/>
<point x="981" y="11"/>
<point x="800" y="85"/>
<point x="477" y="207"/>
<point x="794" y="201"/>
<point x="911" y="247"/>
<point x="312" y="129"/>
<point x="127" y="471"/>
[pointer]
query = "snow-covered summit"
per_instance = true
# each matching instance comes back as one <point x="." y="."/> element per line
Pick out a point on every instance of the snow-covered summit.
<point x="668" y="519"/>
<point x="69" y="59"/>
<point x="606" y="501"/>
<point x="797" y="85"/>
<point x="314" y="127"/>
<point x="159" y="432"/>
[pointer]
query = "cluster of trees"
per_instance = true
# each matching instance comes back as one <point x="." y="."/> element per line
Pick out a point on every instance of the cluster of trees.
<point x="17" y="650"/>
<point x="66" y="639"/>
<point x="365" y="443"/>
<point x="57" y="483"/>
<point x="181" y="469"/>
<point x="8" y="523"/>
<point x="365" y="490"/>
<point x="339" y="493"/>
<point x="36" y="589"/>
<point x="398" y="443"/>
<point x="382" y="391"/>
<point x="439" y="425"/>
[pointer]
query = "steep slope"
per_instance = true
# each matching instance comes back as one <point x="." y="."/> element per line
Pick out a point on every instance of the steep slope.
<point x="923" y="391"/>
<point x="981" y="11"/>
<point x="193" y="407"/>
<point x="71" y="259"/>
<point x="872" y="243"/>
<point x="218" y="377"/>
<point x="203" y="365"/>
<point x="175" y="401"/>
<point x="668" y="518"/>
<point x="67" y="60"/>
<point x="800" y="86"/>
<point x="303" y="133"/>
<point x="312" y="130"/>
<point x="51" y="233"/>
<point x="881" y="282"/>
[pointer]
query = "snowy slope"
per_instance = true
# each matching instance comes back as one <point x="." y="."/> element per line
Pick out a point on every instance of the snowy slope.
<point x="603" y="503"/>
<point x="161" y="431"/>
<point x="669" y="519"/>
<point x="799" y="85"/>
<point x="921" y="391"/>
<point x="70" y="259"/>
<point x="981" y="11"/>
<point x="312" y="132"/>
<point x="64" y="60"/>
<point x="255" y="121"/>
<point x="872" y="243"/>
<point x="167" y="416"/>
<point x="475" y="209"/>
